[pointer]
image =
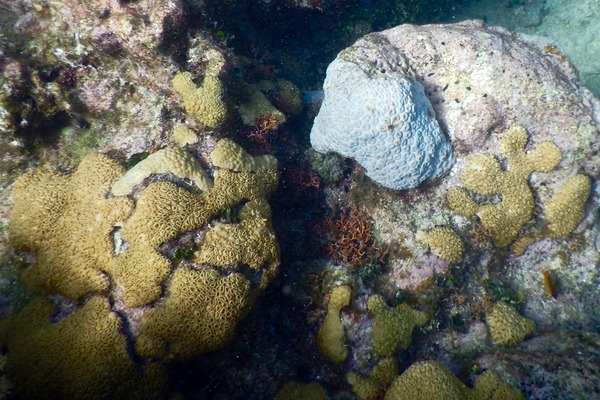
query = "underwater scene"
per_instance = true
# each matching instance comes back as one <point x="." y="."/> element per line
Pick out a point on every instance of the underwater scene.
<point x="298" y="199"/>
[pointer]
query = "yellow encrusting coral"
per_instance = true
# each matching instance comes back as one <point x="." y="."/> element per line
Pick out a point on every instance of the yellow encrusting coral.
<point x="199" y="315"/>
<point x="232" y="156"/>
<point x="483" y="175"/>
<point x="443" y="242"/>
<point x="393" y="326"/>
<point x="184" y="135"/>
<point x="250" y="242"/>
<point x="430" y="380"/>
<point x="87" y="241"/>
<point x="205" y="103"/>
<point x="82" y="356"/>
<point x="331" y="335"/>
<point x="170" y="159"/>
<point x="507" y="327"/>
<point x="380" y="378"/>
<point x="566" y="208"/>
<point x="165" y="210"/>
<point x="562" y="214"/>
<point x="66" y="220"/>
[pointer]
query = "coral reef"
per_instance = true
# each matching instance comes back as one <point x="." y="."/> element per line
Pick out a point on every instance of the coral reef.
<point x="430" y="380"/>
<point x="507" y="327"/>
<point x="81" y="356"/>
<point x="251" y="242"/>
<point x="381" y="118"/>
<point x="379" y="379"/>
<point x="393" y="326"/>
<point x="184" y="136"/>
<point x="204" y="103"/>
<point x="229" y="155"/>
<point x="561" y="214"/>
<point x="482" y="174"/>
<point x="443" y="242"/>
<point x="280" y="99"/>
<point x="331" y="335"/>
<point x="199" y="315"/>
<point x="176" y="161"/>
<point x="68" y="222"/>
<point x="164" y="271"/>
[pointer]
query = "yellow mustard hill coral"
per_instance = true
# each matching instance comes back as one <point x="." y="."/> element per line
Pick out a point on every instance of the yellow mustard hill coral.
<point x="204" y="103"/>
<point x="507" y="327"/>
<point x="566" y="209"/>
<point x="184" y="136"/>
<point x="443" y="242"/>
<point x="227" y="154"/>
<point x="430" y="380"/>
<point x="199" y="315"/>
<point x="66" y="220"/>
<point x="174" y="160"/>
<point x="380" y="378"/>
<point x="83" y="356"/>
<point x="393" y="326"/>
<point x="332" y="336"/>
<point x="298" y="390"/>
<point x="561" y="214"/>
<point x="483" y="175"/>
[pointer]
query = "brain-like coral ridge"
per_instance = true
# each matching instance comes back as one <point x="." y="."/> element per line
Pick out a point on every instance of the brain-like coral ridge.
<point x="507" y="327"/>
<point x="430" y="380"/>
<point x="82" y="356"/>
<point x="174" y="160"/>
<point x="382" y="120"/>
<point x="68" y="222"/>
<point x="205" y="102"/>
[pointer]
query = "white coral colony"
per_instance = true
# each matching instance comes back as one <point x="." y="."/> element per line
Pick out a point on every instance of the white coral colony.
<point x="384" y="121"/>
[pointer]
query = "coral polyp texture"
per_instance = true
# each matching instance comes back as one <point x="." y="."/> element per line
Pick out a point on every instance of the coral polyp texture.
<point x="507" y="327"/>
<point x="70" y="224"/>
<point x="430" y="380"/>
<point x="66" y="221"/>
<point x="483" y="175"/>
<point x="199" y="315"/>
<point x="229" y="155"/>
<point x="205" y="103"/>
<point x="382" y="118"/>
<point x="369" y="388"/>
<point x="176" y="161"/>
<point x="561" y="214"/>
<point x="331" y="335"/>
<point x="443" y="242"/>
<point x="393" y="326"/>
<point x="82" y="356"/>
